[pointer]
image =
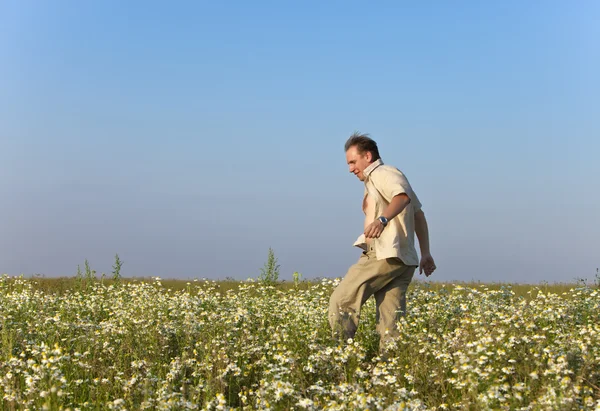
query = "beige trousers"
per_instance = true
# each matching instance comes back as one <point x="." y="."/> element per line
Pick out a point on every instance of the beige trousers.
<point x="386" y="279"/>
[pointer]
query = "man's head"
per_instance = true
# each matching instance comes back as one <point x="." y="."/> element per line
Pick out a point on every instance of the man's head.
<point x="361" y="151"/>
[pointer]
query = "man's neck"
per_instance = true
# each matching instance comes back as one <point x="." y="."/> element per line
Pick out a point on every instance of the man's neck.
<point x="372" y="167"/>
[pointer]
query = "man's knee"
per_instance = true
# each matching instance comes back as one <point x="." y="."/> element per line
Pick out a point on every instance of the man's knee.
<point x="335" y="307"/>
<point x="339" y="308"/>
<point x="341" y="297"/>
<point x="334" y="301"/>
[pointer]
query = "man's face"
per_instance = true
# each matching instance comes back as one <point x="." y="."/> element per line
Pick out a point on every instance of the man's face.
<point x="357" y="162"/>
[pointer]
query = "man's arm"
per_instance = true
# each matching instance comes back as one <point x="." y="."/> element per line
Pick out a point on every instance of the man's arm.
<point x="422" y="231"/>
<point x="395" y="207"/>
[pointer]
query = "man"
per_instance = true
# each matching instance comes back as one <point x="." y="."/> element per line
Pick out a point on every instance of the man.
<point x="389" y="259"/>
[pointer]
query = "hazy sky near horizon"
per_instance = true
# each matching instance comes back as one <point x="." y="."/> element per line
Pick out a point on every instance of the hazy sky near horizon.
<point x="189" y="137"/>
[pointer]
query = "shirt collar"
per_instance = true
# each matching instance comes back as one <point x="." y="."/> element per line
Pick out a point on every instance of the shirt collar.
<point x="372" y="167"/>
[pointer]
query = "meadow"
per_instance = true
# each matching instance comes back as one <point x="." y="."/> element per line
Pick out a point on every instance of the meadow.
<point x="91" y="344"/>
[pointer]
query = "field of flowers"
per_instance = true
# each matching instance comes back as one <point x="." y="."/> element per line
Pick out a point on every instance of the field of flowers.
<point x="145" y="346"/>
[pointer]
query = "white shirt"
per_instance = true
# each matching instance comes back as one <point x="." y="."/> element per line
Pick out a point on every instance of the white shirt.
<point x="382" y="183"/>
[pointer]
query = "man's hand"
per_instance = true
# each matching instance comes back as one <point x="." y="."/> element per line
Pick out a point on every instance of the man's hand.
<point x="427" y="265"/>
<point x="374" y="229"/>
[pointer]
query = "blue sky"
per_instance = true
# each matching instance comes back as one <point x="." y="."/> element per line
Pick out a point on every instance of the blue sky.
<point x="189" y="137"/>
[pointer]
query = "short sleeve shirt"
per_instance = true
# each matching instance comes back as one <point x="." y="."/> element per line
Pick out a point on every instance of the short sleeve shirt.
<point x="382" y="183"/>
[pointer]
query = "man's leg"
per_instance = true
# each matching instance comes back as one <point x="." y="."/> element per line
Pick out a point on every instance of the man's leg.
<point x="362" y="280"/>
<point x="346" y="300"/>
<point x="391" y="303"/>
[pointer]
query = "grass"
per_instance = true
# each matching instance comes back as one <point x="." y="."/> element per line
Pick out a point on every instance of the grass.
<point x="144" y="343"/>
<point x="61" y="285"/>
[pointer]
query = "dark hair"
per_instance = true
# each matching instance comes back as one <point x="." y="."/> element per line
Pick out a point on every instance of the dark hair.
<point x="363" y="144"/>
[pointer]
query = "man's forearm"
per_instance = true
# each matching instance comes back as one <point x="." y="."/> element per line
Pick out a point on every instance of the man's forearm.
<point x="396" y="206"/>
<point x="422" y="232"/>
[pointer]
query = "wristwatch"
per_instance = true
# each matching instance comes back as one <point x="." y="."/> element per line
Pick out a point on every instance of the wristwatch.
<point x="383" y="220"/>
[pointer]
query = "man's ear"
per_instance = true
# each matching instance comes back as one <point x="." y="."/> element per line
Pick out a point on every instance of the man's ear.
<point x="368" y="156"/>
